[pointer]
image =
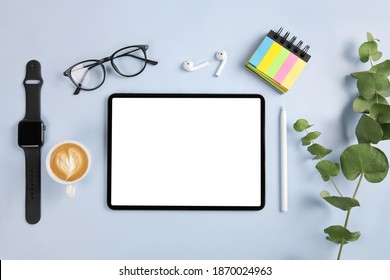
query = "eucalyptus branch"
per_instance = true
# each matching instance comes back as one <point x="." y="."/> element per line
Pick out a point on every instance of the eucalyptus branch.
<point x="362" y="159"/>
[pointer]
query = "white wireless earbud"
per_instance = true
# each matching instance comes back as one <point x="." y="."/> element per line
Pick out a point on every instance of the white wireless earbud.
<point x="222" y="55"/>
<point x="189" y="65"/>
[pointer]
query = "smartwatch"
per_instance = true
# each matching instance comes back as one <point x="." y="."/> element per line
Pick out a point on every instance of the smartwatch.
<point x="31" y="138"/>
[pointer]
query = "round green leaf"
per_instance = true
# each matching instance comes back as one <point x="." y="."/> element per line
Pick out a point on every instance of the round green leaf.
<point x="368" y="130"/>
<point x="382" y="68"/>
<point x="360" y="105"/>
<point x="367" y="49"/>
<point x="364" y="52"/>
<point x="338" y="234"/>
<point x="385" y="92"/>
<point x="376" y="56"/>
<point x="301" y="124"/>
<point x="370" y="38"/>
<point x="343" y="203"/>
<point x="370" y="84"/>
<point x="380" y="112"/>
<point x="357" y="75"/>
<point x="386" y="131"/>
<point x="324" y="194"/>
<point x="310" y="137"/>
<point x="328" y="169"/>
<point x="318" y="151"/>
<point x="363" y="158"/>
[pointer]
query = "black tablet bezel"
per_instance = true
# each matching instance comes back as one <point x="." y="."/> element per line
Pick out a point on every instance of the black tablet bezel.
<point x="184" y="95"/>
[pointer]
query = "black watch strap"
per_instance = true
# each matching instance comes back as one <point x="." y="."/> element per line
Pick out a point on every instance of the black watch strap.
<point x="33" y="185"/>
<point x="33" y="83"/>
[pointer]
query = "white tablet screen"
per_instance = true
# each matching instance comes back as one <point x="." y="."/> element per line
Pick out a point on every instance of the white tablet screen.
<point x="185" y="151"/>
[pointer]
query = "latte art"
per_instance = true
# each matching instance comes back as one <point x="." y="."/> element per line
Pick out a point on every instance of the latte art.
<point x="69" y="162"/>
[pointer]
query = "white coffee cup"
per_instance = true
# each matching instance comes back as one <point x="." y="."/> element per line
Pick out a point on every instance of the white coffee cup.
<point x="70" y="185"/>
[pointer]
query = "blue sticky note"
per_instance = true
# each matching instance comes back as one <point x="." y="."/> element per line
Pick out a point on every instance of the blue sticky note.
<point x="258" y="55"/>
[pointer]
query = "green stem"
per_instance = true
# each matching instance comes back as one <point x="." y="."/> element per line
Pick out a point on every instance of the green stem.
<point x="347" y="217"/>
<point x="337" y="189"/>
<point x="340" y="250"/>
<point x="358" y="185"/>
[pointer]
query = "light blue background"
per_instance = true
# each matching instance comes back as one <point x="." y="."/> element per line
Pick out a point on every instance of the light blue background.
<point x="61" y="33"/>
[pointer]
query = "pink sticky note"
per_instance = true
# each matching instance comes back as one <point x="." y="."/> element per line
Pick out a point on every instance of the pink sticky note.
<point x="285" y="69"/>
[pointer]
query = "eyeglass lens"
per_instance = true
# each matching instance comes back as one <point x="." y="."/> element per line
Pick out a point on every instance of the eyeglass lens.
<point x="88" y="74"/>
<point x="129" y="61"/>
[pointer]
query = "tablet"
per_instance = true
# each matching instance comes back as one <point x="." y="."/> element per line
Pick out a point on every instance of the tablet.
<point x="186" y="151"/>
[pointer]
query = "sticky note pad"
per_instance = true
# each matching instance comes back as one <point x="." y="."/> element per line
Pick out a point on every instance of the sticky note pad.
<point x="279" y="61"/>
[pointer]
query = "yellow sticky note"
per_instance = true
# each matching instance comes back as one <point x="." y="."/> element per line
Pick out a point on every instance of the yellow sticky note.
<point x="294" y="73"/>
<point x="269" y="57"/>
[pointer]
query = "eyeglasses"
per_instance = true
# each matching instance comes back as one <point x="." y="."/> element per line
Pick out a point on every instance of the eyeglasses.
<point x="90" y="74"/>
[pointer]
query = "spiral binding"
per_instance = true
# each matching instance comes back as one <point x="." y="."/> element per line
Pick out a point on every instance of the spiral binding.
<point x="290" y="44"/>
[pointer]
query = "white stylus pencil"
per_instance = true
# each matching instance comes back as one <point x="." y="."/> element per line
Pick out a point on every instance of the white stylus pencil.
<point x="283" y="160"/>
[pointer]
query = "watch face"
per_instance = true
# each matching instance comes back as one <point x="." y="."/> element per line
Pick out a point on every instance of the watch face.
<point x="30" y="133"/>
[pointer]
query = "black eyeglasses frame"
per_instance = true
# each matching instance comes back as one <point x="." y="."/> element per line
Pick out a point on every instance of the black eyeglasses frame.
<point x="99" y="62"/>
